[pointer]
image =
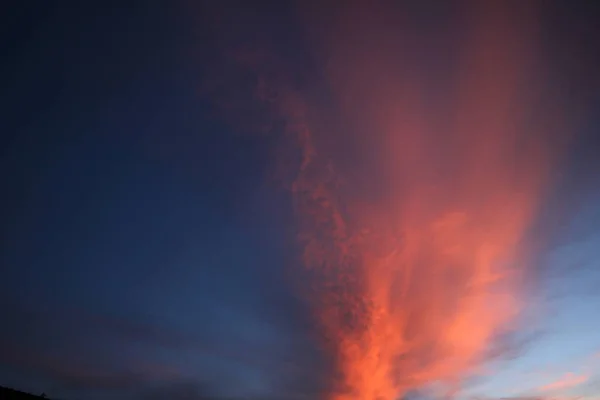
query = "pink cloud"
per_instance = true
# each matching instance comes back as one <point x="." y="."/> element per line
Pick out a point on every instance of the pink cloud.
<point x="568" y="380"/>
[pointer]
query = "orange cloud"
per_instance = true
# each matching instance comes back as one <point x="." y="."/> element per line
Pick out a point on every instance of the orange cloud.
<point x="412" y="214"/>
<point x="567" y="381"/>
<point x="413" y="200"/>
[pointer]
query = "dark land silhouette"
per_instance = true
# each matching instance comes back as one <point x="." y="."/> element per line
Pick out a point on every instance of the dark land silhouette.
<point x="13" y="394"/>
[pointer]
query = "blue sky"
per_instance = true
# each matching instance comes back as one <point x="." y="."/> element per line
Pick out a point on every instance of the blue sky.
<point x="568" y="344"/>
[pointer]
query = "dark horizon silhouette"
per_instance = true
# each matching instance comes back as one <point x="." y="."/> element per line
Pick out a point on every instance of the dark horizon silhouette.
<point x="7" y="393"/>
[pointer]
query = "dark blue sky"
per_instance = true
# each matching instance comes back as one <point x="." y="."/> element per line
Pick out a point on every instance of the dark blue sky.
<point x="141" y="249"/>
<point x="143" y="254"/>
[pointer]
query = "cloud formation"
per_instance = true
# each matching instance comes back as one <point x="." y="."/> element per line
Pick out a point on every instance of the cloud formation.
<point x="569" y="380"/>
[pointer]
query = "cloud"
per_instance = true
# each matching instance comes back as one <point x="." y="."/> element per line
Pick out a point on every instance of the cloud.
<point x="70" y="351"/>
<point x="513" y="345"/>
<point x="67" y="372"/>
<point x="73" y="349"/>
<point x="567" y="381"/>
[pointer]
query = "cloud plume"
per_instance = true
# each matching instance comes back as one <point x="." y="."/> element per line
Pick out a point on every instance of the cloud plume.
<point x="415" y="184"/>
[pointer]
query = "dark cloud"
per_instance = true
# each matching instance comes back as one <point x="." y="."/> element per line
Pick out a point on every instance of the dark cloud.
<point x="75" y="350"/>
<point x="35" y="324"/>
<point x="86" y="351"/>
<point x="514" y="344"/>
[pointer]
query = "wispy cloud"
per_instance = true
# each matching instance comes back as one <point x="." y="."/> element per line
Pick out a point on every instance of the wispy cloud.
<point x="567" y="381"/>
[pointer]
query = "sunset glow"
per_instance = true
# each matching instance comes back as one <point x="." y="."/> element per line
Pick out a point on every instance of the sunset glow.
<point x="416" y="242"/>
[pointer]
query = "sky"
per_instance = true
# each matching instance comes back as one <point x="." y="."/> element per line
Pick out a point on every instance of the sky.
<point x="149" y="251"/>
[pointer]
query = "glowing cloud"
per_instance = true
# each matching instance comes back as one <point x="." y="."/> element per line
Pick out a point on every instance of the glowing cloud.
<point x="569" y="380"/>
<point x="418" y="179"/>
<point x="413" y="204"/>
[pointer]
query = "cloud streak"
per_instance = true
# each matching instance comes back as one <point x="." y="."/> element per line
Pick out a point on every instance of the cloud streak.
<point x="567" y="381"/>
